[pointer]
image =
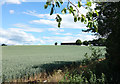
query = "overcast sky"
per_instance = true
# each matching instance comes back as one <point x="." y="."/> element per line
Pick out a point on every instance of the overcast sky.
<point x="28" y="23"/>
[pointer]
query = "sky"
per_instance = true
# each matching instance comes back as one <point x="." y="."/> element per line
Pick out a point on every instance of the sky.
<point x="28" y="23"/>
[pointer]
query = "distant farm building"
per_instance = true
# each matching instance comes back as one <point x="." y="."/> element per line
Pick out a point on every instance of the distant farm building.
<point x="68" y="43"/>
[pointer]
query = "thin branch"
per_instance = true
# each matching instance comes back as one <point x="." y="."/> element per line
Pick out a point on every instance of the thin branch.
<point x="75" y="7"/>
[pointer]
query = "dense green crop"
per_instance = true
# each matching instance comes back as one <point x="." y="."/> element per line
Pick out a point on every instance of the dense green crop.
<point x="18" y="61"/>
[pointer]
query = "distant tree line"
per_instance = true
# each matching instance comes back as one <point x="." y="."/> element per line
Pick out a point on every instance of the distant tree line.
<point x="94" y="42"/>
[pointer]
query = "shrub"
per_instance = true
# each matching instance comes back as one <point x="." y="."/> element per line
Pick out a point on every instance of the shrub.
<point x="78" y="42"/>
<point x="96" y="54"/>
<point x="84" y="79"/>
<point x="56" y="43"/>
<point x="85" y="43"/>
<point x="88" y="74"/>
<point x="3" y="45"/>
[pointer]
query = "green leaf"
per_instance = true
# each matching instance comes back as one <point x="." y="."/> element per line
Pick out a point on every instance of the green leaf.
<point x="85" y="22"/>
<point x="88" y="17"/>
<point x="69" y="11"/>
<point x="86" y="7"/>
<point x="48" y="2"/>
<point x="78" y="18"/>
<point x="74" y="10"/>
<point x="71" y="8"/>
<point x="64" y="11"/>
<point x="75" y="18"/>
<point x="96" y="13"/>
<point x="91" y="24"/>
<point x="90" y="14"/>
<point x="59" y="24"/>
<point x="88" y="3"/>
<point x="60" y="1"/>
<point x="57" y="4"/>
<point x="95" y="27"/>
<point x="82" y="18"/>
<point x="45" y="6"/>
<point x="73" y="13"/>
<point x="87" y="26"/>
<point x="79" y="4"/>
<point x="52" y="10"/>
<point x="58" y="18"/>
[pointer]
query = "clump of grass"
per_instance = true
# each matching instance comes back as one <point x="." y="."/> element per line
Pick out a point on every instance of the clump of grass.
<point x="86" y="73"/>
<point x="96" y="55"/>
<point x="83" y="78"/>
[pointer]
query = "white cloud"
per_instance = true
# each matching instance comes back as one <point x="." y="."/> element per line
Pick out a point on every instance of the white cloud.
<point x="27" y="28"/>
<point x="85" y="36"/>
<point x="34" y="13"/>
<point x="67" y="34"/>
<point x="19" y="37"/>
<point x="24" y="27"/>
<point x="55" y="29"/>
<point x="67" y="19"/>
<point x="12" y="1"/>
<point x="46" y="22"/>
<point x="11" y="11"/>
<point x="68" y="38"/>
<point x="67" y="22"/>
<point x="16" y="37"/>
<point x="59" y="39"/>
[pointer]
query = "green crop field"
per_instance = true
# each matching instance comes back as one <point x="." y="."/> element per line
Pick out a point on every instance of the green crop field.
<point x="18" y="61"/>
